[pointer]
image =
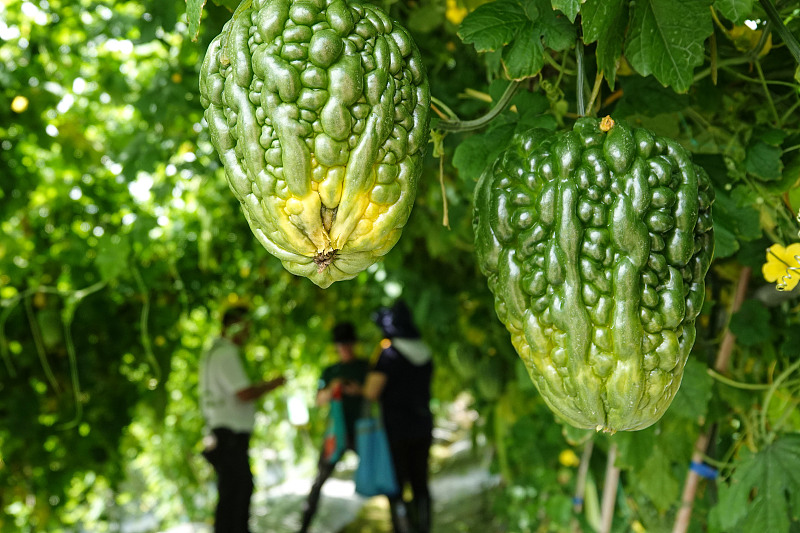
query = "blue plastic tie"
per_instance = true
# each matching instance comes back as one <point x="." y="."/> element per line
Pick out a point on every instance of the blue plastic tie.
<point x="704" y="470"/>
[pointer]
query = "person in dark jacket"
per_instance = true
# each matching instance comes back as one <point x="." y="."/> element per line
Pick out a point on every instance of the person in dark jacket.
<point x="401" y="381"/>
<point x="347" y="376"/>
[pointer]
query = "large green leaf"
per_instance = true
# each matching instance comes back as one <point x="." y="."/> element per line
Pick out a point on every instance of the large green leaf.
<point x="570" y="8"/>
<point x="493" y="25"/>
<point x="764" y="491"/>
<point x="604" y="21"/>
<point x="692" y="399"/>
<point x="194" y="12"/>
<point x="764" y="161"/>
<point x="751" y="324"/>
<point x="522" y="30"/>
<point x="666" y="39"/>
<point x="737" y="11"/>
<point x="734" y="220"/>
<point x="657" y="481"/>
<point x="476" y="152"/>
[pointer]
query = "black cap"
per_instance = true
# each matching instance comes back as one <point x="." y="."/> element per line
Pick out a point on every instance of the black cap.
<point x="396" y="321"/>
<point x="344" y="333"/>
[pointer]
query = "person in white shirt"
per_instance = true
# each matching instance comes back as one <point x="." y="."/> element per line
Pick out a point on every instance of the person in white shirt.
<point x="228" y="402"/>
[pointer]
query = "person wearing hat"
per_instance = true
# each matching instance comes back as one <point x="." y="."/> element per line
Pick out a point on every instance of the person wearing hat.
<point x="228" y="400"/>
<point x="401" y="381"/>
<point x="347" y="378"/>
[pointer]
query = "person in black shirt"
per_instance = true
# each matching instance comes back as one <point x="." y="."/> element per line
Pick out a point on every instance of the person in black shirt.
<point x="401" y="380"/>
<point x="348" y="376"/>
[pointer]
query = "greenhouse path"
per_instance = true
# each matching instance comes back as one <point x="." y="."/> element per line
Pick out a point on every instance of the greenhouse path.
<point x="459" y="492"/>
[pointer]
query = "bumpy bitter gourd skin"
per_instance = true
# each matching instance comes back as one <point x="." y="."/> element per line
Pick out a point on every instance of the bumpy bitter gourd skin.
<point x="319" y="112"/>
<point x="596" y="247"/>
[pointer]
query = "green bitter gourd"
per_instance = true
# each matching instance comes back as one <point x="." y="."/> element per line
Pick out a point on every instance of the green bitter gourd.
<point x="319" y="112"/>
<point x="596" y="243"/>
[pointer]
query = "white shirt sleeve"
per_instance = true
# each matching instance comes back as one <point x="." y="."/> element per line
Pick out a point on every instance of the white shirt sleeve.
<point x="228" y="371"/>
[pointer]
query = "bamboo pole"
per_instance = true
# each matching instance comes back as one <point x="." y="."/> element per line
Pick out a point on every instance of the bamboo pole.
<point x="609" y="490"/>
<point x="701" y="445"/>
<point x="583" y="472"/>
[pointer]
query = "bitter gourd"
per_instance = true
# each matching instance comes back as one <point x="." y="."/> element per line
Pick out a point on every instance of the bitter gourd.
<point x="596" y="243"/>
<point x="319" y="112"/>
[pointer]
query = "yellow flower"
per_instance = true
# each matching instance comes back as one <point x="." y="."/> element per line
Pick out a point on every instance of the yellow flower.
<point x="783" y="266"/>
<point x="455" y="13"/>
<point x="568" y="458"/>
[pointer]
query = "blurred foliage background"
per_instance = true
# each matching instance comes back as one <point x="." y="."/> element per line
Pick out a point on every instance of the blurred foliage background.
<point x="120" y="243"/>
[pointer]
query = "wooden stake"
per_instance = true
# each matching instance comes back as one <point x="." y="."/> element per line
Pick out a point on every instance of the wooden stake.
<point x="609" y="491"/>
<point x="701" y="445"/>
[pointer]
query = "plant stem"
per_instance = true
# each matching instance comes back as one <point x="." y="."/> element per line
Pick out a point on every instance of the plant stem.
<point x="581" y="97"/>
<point x="783" y="31"/>
<point x="768" y="397"/>
<point x="143" y="321"/>
<point x="445" y="216"/>
<point x="436" y="104"/>
<point x="470" y="125"/>
<point x="598" y="80"/>
<point x="763" y="81"/>
<point x="737" y="384"/>
<point x="38" y="343"/>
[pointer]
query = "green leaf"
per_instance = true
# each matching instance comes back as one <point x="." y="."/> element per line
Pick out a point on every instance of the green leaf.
<point x="194" y="12"/>
<point x="557" y="32"/>
<point x="692" y="399"/>
<point x="725" y="244"/>
<point x="648" y="97"/>
<point x="604" y="21"/>
<point x="751" y="324"/>
<point x="525" y="57"/>
<point x="656" y="480"/>
<point x="112" y="256"/>
<point x="493" y="25"/>
<point x="530" y="120"/>
<point x="762" y="489"/>
<point x="771" y="136"/>
<point x="524" y="31"/>
<point x="570" y="8"/>
<point x="425" y="19"/>
<point x="530" y="102"/>
<point x="635" y="447"/>
<point x="666" y="39"/>
<point x="791" y="344"/>
<point x="735" y="220"/>
<point x="790" y="177"/>
<point x="230" y="4"/>
<point x="764" y="161"/>
<point x="474" y="153"/>
<point x="737" y="11"/>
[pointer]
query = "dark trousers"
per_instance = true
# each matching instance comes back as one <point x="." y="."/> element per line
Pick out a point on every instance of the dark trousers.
<point x="234" y="480"/>
<point x="324" y="470"/>
<point x="410" y="458"/>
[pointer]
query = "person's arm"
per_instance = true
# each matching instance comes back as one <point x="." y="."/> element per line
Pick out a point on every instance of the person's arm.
<point x="373" y="386"/>
<point x="254" y="392"/>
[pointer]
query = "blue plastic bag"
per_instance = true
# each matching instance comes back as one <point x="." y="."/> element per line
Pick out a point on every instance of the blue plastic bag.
<point x="375" y="473"/>
<point x="335" y="438"/>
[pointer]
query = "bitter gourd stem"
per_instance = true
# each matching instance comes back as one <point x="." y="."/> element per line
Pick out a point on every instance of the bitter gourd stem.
<point x="783" y="31"/>
<point x="470" y="125"/>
